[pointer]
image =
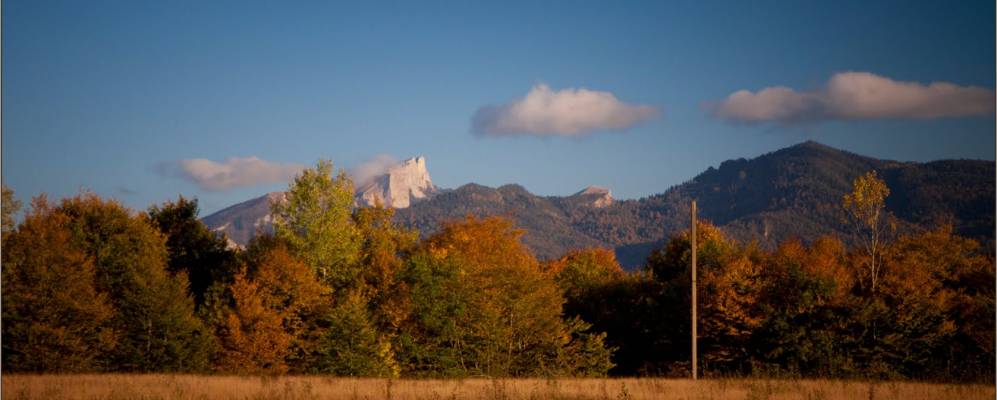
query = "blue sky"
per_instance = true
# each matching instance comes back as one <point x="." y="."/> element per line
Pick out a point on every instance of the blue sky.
<point x="110" y="95"/>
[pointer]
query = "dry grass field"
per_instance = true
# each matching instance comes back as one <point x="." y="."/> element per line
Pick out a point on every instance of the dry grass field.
<point x="182" y="387"/>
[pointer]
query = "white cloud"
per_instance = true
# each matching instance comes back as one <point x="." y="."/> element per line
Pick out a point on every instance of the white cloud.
<point x="373" y="167"/>
<point x="856" y="95"/>
<point x="568" y="112"/>
<point x="232" y="173"/>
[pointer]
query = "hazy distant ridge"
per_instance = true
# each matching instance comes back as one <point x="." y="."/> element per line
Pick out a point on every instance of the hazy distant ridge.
<point x="795" y="191"/>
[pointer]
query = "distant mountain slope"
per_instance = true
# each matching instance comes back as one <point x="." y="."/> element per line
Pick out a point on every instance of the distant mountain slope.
<point x="546" y="220"/>
<point x="794" y="191"/>
<point x="241" y="221"/>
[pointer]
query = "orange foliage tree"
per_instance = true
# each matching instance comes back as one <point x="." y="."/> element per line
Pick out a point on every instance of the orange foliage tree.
<point x="54" y="319"/>
<point x="384" y="246"/>
<point x="938" y="290"/>
<point x="253" y="339"/>
<point x="276" y="301"/>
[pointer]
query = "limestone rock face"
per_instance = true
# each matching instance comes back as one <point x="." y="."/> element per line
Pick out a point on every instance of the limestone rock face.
<point x="596" y="196"/>
<point x="400" y="186"/>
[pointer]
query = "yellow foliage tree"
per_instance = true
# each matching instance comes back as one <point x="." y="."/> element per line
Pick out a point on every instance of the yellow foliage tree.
<point x="866" y="208"/>
<point x="582" y="269"/>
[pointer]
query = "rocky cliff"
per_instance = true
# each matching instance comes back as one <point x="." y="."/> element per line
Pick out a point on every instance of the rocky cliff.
<point x="400" y="186"/>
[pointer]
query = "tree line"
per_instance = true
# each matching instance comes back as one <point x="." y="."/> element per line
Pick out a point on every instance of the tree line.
<point x="91" y="286"/>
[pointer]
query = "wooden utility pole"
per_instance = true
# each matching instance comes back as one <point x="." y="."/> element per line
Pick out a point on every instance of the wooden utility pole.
<point x="693" y="236"/>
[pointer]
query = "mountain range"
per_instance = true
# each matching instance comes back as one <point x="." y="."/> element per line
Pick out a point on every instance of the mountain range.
<point x="792" y="192"/>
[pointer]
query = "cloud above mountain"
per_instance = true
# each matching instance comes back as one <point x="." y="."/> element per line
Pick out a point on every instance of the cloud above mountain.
<point x="567" y="112"/>
<point x="366" y="171"/>
<point x="855" y="95"/>
<point x="231" y="173"/>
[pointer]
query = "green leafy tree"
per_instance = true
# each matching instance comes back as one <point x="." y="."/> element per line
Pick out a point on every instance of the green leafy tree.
<point x="431" y="340"/>
<point x="581" y="352"/>
<point x="316" y="221"/>
<point x="193" y="249"/>
<point x="351" y="344"/>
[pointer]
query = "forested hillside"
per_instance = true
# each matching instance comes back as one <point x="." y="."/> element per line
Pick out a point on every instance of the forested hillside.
<point x="793" y="192"/>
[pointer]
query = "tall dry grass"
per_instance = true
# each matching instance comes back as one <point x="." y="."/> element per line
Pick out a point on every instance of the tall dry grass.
<point x="183" y="387"/>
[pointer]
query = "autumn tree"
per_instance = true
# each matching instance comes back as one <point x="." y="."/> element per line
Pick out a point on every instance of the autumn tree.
<point x="291" y="288"/>
<point x="938" y="292"/>
<point x="54" y="319"/>
<point x="728" y="283"/>
<point x="802" y="331"/>
<point x="252" y="335"/>
<point x="730" y="313"/>
<point x="489" y="308"/>
<point x="153" y="313"/>
<point x="583" y="269"/>
<point x="827" y="259"/>
<point x="866" y="208"/>
<point x="315" y="219"/>
<point x="269" y="319"/>
<point x="8" y="207"/>
<point x="192" y="248"/>
<point x="674" y="259"/>
<point x="383" y="248"/>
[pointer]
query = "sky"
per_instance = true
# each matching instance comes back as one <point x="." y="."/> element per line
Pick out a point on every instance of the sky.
<point x="224" y="101"/>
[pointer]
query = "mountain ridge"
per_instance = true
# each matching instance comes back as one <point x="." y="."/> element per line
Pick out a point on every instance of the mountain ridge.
<point x="790" y="192"/>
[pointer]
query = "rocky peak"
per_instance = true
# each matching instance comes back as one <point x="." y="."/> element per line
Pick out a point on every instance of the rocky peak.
<point x="399" y="187"/>
<point x="596" y="196"/>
